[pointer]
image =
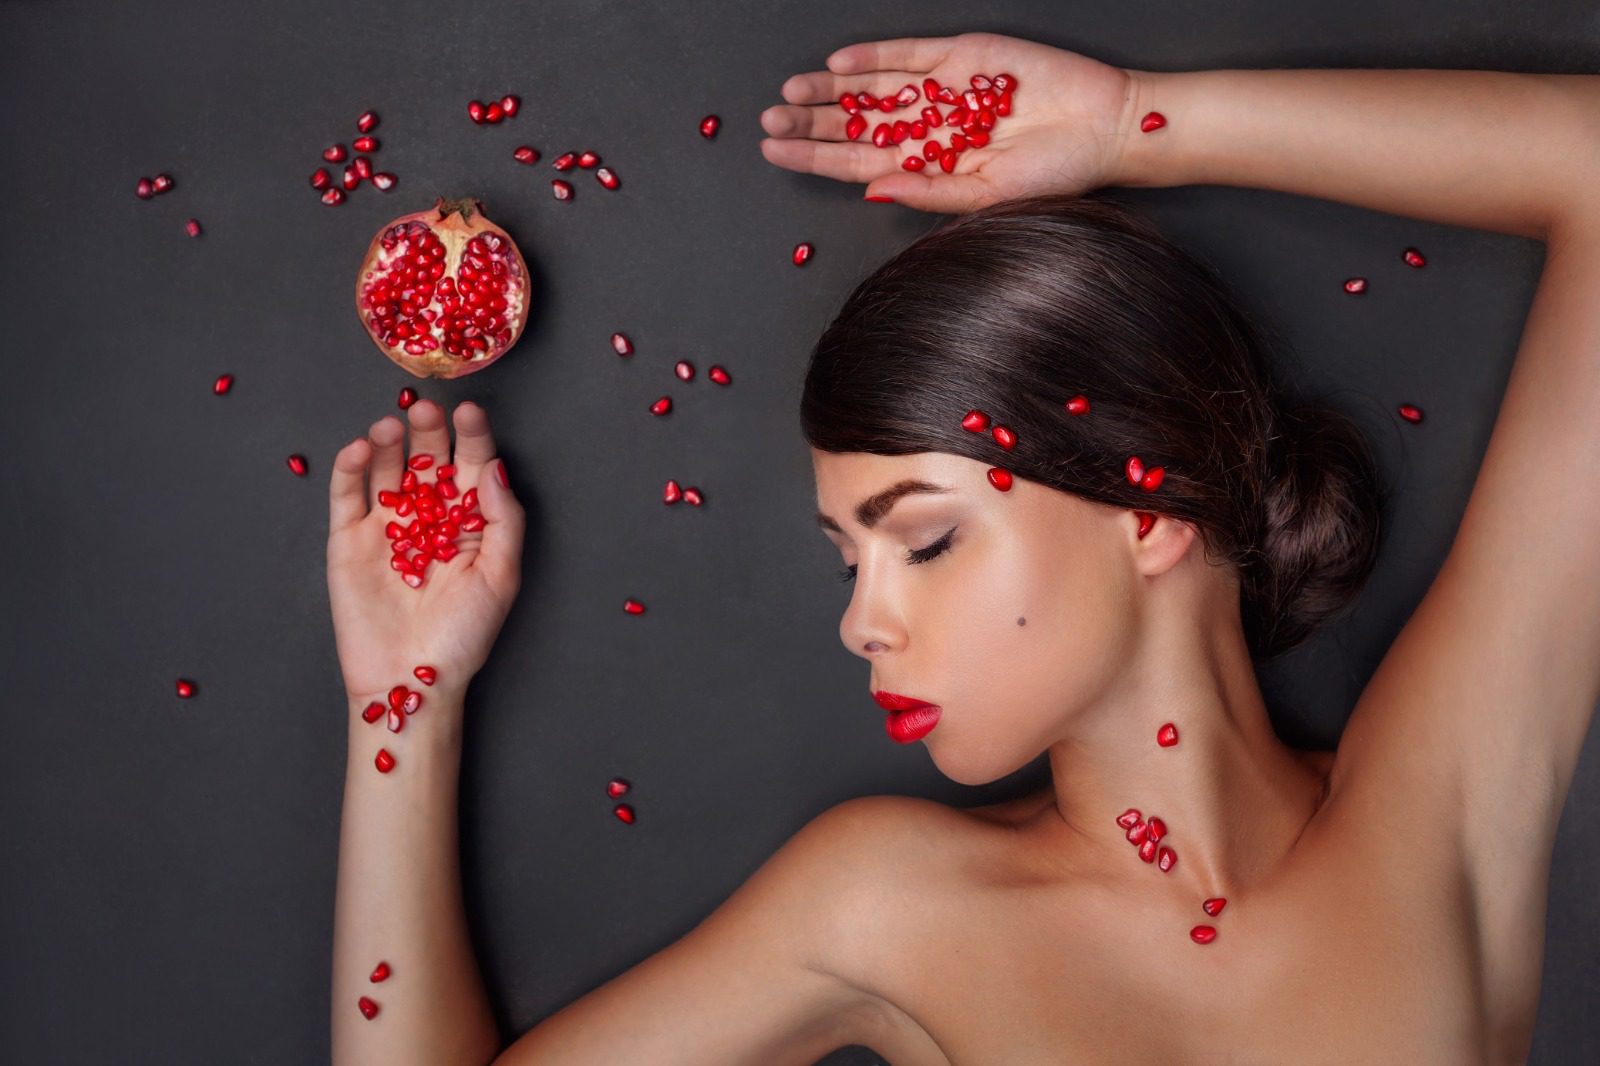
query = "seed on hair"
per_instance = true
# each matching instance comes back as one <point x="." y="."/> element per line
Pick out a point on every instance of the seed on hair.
<point x="1410" y="412"/>
<point x="384" y="761"/>
<point x="1004" y="437"/>
<point x="661" y="406"/>
<point x="1202" y="934"/>
<point x="684" y="370"/>
<point x="623" y="812"/>
<point x="802" y="253"/>
<point x="1167" y="860"/>
<point x="719" y="375"/>
<point x="1152" y="478"/>
<point x="1214" y="905"/>
<point x="1129" y="818"/>
<point x="1167" y="735"/>
<point x="1078" y="405"/>
<point x="426" y="674"/>
<point x="368" y="1007"/>
<point x="334" y="153"/>
<point x="672" y="493"/>
<point x="1414" y="258"/>
<point x="975" y="421"/>
<point x="192" y="227"/>
<point x="297" y="463"/>
<point x="1000" y="478"/>
<point x="1147" y="850"/>
<point x="633" y="606"/>
<point x="617" y="786"/>
<point x="1135" y="469"/>
<point x="1356" y="286"/>
<point x="1151" y="122"/>
<point x="381" y="973"/>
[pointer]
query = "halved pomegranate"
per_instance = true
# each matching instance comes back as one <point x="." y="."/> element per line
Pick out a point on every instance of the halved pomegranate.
<point x="443" y="292"/>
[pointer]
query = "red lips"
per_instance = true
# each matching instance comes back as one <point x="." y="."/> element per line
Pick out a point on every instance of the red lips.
<point x="891" y="701"/>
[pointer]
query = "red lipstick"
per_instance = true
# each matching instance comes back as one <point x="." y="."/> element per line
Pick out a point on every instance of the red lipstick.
<point x="910" y="719"/>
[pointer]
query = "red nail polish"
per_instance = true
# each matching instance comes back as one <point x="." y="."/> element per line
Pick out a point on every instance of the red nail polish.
<point x="880" y="199"/>
<point x="500" y="473"/>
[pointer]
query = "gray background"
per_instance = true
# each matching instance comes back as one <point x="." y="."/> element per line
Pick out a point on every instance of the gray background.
<point x="167" y="878"/>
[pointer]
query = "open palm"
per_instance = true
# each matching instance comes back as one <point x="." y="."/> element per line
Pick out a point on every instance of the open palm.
<point x="1063" y="135"/>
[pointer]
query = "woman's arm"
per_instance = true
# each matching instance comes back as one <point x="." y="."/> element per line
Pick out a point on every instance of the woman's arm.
<point x="1489" y="150"/>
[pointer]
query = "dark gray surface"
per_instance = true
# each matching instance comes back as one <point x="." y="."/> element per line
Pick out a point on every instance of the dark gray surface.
<point x="168" y="865"/>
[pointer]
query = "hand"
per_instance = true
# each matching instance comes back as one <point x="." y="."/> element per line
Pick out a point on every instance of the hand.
<point x="384" y="628"/>
<point x="1064" y="134"/>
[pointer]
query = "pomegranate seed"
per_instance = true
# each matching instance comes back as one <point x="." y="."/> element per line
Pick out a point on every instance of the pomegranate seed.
<point x="1158" y="829"/>
<point x="855" y="126"/>
<point x="1414" y="258"/>
<point x="509" y="105"/>
<point x="333" y="196"/>
<point x="161" y="182"/>
<point x="587" y="160"/>
<point x="334" y="153"/>
<point x="633" y="606"/>
<point x="907" y="96"/>
<point x="1214" y="905"/>
<point x="475" y="110"/>
<point x="1138" y="833"/>
<point x="1147" y="851"/>
<point x="367" y="122"/>
<point x="1078" y="405"/>
<point x="1410" y="412"/>
<point x="426" y="674"/>
<point x="867" y="100"/>
<point x="880" y="134"/>
<point x="661" y="406"/>
<point x="691" y="496"/>
<point x="397" y="720"/>
<point x="412" y="703"/>
<point x="525" y="154"/>
<point x="978" y="139"/>
<point x="494" y="113"/>
<point x="1202" y="934"/>
<point x="975" y="421"/>
<point x="223" y="383"/>
<point x="802" y="253"/>
<point x="913" y="162"/>
<point x="384" y="181"/>
<point x="1167" y="735"/>
<point x="420" y="461"/>
<point x="351" y="178"/>
<point x="1167" y="860"/>
<point x="368" y="1007"/>
<point x="719" y="375"/>
<point x="1129" y="818"/>
<point x="414" y="580"/>
<point x="381" y="973"/>
<point x="671" y="494"/>
<point x="709" y="126"/>
<point x="1152" y="478"/>
<point x="849" y="102"/>
<point x="445" y="472"/>
<point x="1152" y="122"/>
<point x="320" y="178"/>
<point x="297" y="463"/>
<point x="373" y="712"/>
<point x="607" y="177"/>
<point x="947" y="160"/>
<point x="1000" y="478"/>
<point x="1004" y="83"/>
<point x="617" y="786"/>
<point x="408" y="481"/>
<point x="145" y="189"/>
<point x="185" y="688"/>
<point x="684" y="370"/>
<point x="958" y="142"/>
<point x="919" y="130"/>
<point x="1356" y="286"/>
<point x="620" y="344"/>
<point x="1146" y="520"/>
<point x="1004" y="437"/>
<point x="623" y="812"/>
<point x="364" y="144"/>
<point x="930" y="89"/>
<point x="980" y="82"/>
<point x="562" y="190"/>
<point x="363" y="166"/>
<point x="565" y="161"/>
<point x="1134" y="469"/>
<point x="899" y="130"/>
<point x="384" y="761"/>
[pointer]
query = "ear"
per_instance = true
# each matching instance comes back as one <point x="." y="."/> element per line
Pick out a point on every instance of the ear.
<point x="1163" y="546"/>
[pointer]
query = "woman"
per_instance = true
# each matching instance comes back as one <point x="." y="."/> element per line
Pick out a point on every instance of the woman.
<point x="1383" y="903"/>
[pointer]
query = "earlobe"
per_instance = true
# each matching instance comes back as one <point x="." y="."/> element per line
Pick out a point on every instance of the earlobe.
<point x="1165" y="541"/>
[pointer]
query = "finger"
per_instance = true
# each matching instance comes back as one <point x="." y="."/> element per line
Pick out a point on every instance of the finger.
<point x="846" y="161"/>
<point x="474" y="443"/>
<point x="821" y="123"/>
<point x="347" y="486"/>
<point x="429" y="434"/>
<point x="918" y="54"/>
<point x="947" y="194"/>
<point x="500" y="554"/>
<point x="825" y="87"/>
<point x="387" y="436"/>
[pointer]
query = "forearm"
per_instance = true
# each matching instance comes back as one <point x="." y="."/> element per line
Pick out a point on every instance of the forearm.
<point x="1492" y="150"/>
<point x="398" y="899"/>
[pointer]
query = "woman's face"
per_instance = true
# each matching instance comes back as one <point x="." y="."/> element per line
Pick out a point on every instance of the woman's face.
<point x="1025" y="617"/>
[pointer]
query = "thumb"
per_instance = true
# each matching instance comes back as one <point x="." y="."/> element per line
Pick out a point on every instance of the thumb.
<point x="500" y="555"/>
<point x="949" y="194"/>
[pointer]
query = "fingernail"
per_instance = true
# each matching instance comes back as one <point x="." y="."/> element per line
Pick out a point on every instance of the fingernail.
<point x="880" y="199"/>
<point x="500" y="472"/>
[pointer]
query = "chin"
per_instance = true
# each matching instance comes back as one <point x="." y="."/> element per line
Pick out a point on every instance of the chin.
<point x="968" y="767"/>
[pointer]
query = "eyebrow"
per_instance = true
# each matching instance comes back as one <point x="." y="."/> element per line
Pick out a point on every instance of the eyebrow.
<point x="871" y="511"/>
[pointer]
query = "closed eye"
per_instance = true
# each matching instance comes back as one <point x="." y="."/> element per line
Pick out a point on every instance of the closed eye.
<point x="917" y="555"/>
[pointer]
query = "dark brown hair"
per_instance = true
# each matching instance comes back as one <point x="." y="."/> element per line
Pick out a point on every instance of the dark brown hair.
<point x="1019" y="306"/>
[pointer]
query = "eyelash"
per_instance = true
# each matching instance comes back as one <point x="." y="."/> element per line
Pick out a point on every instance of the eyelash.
<point x="918" y="555"/>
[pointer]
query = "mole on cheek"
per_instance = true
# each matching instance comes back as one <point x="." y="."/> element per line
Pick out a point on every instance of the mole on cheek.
<point x="1022" y="621"/>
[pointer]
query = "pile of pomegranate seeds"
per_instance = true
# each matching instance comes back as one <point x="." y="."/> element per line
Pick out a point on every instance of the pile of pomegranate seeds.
<point x="672" y="494"/>
<point x="503" y="108"/>
<point x="359" y="170"/>
<point x="434" y="530"/>
<point x="975" y="112"/>
<point x="149" y="187"/>
<point x="587" y="160"/>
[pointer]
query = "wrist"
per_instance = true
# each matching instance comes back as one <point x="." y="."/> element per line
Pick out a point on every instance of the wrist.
<point x="436" y="713"/>
<point x="1131" y="163"/>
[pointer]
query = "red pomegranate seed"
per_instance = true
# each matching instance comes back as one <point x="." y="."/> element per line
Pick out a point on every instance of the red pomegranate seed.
<point x="562" y="190"/>
<point x="525" y="154"/>
<point x="1167" y="735"/>
<point x="320" y="178"/>
<point x="709" y="125"/>
<point x="849" y="102"/>
<point x="887" y="104"/>
<point x="396" y="720"/>
<point x="919" y="130"/>
<point x="161" y="182"/>
<point x="1146" y="520"/>
<point x="979" y="82"/>
<point x="223" y="383"/>
<point x="978" y="139"/>
<point x="1078" y="405"/>
<point x="661" y="406"/>
<point x="913" y="162"/>
<point x="1152" y="478"/>
<point x="494" y="113"/>
<point x="880" y="134"/>
<point x="866" y="100"/>
<point x="1214" y="905"/>
<point x="671" y="494"/>
<point x="975" y="421"/>
<point x="1147" y="851"/>
<point x="617" y="786"/>
<point x="473" y="523"/>
<point x="623" y="812"/>
<point x="684" y="370"/>
<point x="383" y="180"/>
<point x="691" y="496"/>
<point x="1356" y="286"/>
<point x="587" y="160"/>
<point x="1414" y="258"/>
<point x="364" y="144"/>
<point x="414" y="580"/>
<point x="145" y="189"/>
<point x="1202" y="934"/>
<point x="1004" y="437"/>
<point x="907" y="96"/>
<point x="363" y="166"/>
<point x="1000" y="478"/>
<point x="408" y="481"/>
<point x="1138" y="833"/>
<point x="719" y="375"/>
<point x="1158" y="829"/>
<point x="607" y="177"/>
<point x="855" y="126"/>
<point x="1129" y="818"/>
<point x="397" y="695"/>
<point x="426" y="674"/>
<point x="802" y="253"/>
<point x="334" y="153"/>
<point x="367" y="122"/>
<point x="930" y="89"/>
<point x="1134" y="469"/>
<point x="565" y="161"/>
<point x="899" y="130"/>
<point x="185" y="688"/>
<point x="475" y="110"/>
<point x="297" y="463"/>
<point x="333" y="196"/>
<point x="380" y="973"/>
<point x="384" y="761"/>
<point x="947" y="160"/>
<point x="351" y="178"/>
<point x="420" y="461"/>
<point x="931" y="117"/>
<point x="408" y="396"/>
<point x="1167" y="860"/>
<point x="368" y="1007"/>
<point x="445" y="472"/>
<point x="413" y="702"/>
<point x="1005" y="83"/>
<point x="509" y="105"/>
<point x="1151" y="122"/>
<point x="1410" y="412"/>
<point x="633" y="606"/>
<point x="958" y="142"/>
<point x="620" y="344"/>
